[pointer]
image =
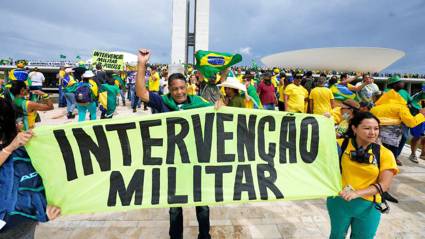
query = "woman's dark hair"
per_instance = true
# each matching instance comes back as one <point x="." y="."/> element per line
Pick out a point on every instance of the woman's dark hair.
<point x="8" y="128"/>
<point x="332" y="81"/>
<point x="357" y="120"/>
<point x="110" y="80"/>
<point x="17" y="86"/>
<point x="176" y="76"/>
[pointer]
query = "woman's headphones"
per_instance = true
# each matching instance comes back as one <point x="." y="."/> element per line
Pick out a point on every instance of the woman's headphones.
<point x="360" y="154"/>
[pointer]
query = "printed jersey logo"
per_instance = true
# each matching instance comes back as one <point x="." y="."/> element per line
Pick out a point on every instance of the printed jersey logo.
<point x="29" y="176"/>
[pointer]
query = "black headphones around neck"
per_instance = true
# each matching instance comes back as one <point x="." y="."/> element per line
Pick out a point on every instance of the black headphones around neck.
<point x="360" y="154"/>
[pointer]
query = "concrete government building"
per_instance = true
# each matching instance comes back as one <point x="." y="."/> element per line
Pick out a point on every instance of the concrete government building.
<point x="189" y="30"/>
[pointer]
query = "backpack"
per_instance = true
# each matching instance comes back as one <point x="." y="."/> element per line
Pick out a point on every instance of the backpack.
<point x="83" y="94"/>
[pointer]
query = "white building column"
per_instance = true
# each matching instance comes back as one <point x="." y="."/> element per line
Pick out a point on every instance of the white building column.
<point x="179" y="32"/>
<point x="202" y="24"/>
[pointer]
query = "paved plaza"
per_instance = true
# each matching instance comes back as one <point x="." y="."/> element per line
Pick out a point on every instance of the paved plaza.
<point x="295" y="219"/>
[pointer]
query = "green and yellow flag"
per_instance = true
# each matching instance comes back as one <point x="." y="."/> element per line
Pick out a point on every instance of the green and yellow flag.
<point x="209" y="63"/>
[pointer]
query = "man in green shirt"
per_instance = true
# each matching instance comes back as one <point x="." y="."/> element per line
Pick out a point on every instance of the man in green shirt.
<point x="396" y="83"/>
<point x="176" y="100"/>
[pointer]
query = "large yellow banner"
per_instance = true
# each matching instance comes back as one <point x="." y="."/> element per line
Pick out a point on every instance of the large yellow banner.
<point x="186" y="158"/>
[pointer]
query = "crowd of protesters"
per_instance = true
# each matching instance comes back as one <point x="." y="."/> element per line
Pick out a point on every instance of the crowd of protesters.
<point x="372" y="124"/>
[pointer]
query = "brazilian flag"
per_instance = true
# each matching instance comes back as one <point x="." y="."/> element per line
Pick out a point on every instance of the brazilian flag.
<point x="341" y="92"/>
<point x="209" y="63"/>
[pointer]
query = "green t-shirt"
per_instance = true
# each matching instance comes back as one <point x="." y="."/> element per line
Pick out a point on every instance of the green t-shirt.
<point x="112" y="92"/>
<point x="237" y="101"/>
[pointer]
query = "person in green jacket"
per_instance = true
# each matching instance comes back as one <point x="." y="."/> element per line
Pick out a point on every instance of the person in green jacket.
<point x="109" y="91"/>
<point x="121" y="85"/>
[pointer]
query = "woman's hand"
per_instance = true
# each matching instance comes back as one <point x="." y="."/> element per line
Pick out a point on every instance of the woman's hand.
<point x="20" y="140"/>
<point x="53" y="212"/>
<point x="349" y="195"/>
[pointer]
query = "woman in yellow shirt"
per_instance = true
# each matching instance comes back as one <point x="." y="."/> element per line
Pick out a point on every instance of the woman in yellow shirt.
<point x="365" y="176"/>
<point x="295" y="96"/>
<point x="191" y="85"/>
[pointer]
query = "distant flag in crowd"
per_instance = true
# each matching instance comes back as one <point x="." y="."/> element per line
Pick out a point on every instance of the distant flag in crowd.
<point x="78" y="57"/>
<point x="254" y="65"/>
<point x="209" y="63"/>
<point x="62" y="56"/>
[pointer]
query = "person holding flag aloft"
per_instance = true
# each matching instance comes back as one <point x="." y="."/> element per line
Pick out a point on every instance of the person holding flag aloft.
<point x="209" y="64"/>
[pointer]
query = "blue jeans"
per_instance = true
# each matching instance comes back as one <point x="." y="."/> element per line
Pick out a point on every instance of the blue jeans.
<point x="82" y="110"/>
<point x="135" y="101"/>
<point x="70" y="102"/>
<point x="403" y="140"/>
<point x="61" y="100"/>
<point x="268" y="106"/>
<point x="122" y="93"/>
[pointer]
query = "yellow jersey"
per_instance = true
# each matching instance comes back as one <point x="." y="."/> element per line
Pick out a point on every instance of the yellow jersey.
<point x="296" y="98"/>
<point x="321" y="97"/>
<point x="154" y="82"/>
<point x="360" y="175"/>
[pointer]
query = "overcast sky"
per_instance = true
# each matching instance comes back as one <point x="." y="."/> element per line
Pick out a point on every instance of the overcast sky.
<point x="45" y="29"/>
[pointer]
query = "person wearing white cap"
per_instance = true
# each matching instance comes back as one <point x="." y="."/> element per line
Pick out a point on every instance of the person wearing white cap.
<point x="37" y="79"/>
<point x="233" y="98"/>
<point x="69" y="86"/>
<point x="86" y="95"/>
